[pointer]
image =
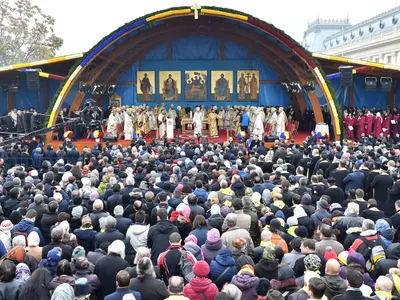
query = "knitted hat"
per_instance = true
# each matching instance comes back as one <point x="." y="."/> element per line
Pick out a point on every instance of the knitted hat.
<point x="213" y="235"/>
<point x="6" y="225"/>
<point x="285" y="272"/>
<point x="247" y="269"/>
<point x="79" y="251"/>
<point x="330" y="254"/>
<point x="82" y="287"/>
<point x="275" y="224"/>
<point x="22" y="272"/>
<point x="244" y="260"/>
<point x="269" y="252"/>
<point x="191" y="238"/>
<point x="263" y="286"/>
<point x="301" y="231"/>
<point x="201" y="269"/>
<point x="183" y="209"/>
<point x="54" y="255"/>
<point x="323" y="204"/>
<point x="312" y="262"/>
<point x="292" y="221"/>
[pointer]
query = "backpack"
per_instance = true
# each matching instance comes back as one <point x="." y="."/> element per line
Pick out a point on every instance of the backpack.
<point x="373" y="252"/>
<point x="186" y="265"/>
<point x="24" y="233"/>
<point x="168" y="208"/>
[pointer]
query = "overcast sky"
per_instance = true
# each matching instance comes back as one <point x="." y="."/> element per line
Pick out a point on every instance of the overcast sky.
<point x="82" y="23"/>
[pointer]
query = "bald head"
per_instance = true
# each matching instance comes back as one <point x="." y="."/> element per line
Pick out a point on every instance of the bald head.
<point x="383" y="284"/>
<point x="332" y="267"/>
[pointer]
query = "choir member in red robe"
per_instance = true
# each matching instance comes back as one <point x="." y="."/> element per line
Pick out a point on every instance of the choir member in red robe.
<point x="369" y="121"/>
<point x="349" y="125"/>
<point x="360" y="125"/>
<point x="386" y="123"/>
<point x="378" y="125"/>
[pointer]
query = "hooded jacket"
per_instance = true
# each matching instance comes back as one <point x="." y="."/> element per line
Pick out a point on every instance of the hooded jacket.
<point x="136" y="235"/>
<point x="28" y="226"/>
<point x="383" y="228"/>
<point x="246" y="282"/>
<point x="158" y="238"/>
<point x="200" y="285"/>
<point x="215" y="221"/>
<point x="11" y="290"/>
<point x="223" y="262"/>
<point x="267" y="268"/>
<point x="86" y="238"/>
<point x="212" y="249"/>
<point x="335" y="285"/>
<point x="319" y="215"/>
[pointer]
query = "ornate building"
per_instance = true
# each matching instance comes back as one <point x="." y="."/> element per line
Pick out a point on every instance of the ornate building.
<point x="376" y="39"/>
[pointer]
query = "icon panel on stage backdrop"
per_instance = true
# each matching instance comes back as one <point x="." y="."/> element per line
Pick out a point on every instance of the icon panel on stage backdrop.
<point x="170" y="85"/>
<point x="145" y="86"/>
<point x="222" y="85"/>
<point x="196" y="86"/>
<point x="248" y="85"/>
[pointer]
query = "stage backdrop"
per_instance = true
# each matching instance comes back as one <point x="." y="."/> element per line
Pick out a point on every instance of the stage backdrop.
<point x="203" y="54"/>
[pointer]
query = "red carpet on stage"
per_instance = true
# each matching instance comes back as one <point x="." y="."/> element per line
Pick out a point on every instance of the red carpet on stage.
<point x="82" y="143"/>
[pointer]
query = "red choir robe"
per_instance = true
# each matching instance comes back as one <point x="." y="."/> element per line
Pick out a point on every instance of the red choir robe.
<point x="386" y="124"/>
<point x="360" y="126"/>
<point x="378" y="126"/>
<point x="369" y="121"/>
<point x="348" y="122"/>
<point x="394" y="126"/>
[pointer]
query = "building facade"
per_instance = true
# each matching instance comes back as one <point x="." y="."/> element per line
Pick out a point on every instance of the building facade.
<point x="376" y="39"/>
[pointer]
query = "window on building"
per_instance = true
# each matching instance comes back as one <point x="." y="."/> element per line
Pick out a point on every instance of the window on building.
<point x="377" y="59"/>
<point x="389" y="59"/>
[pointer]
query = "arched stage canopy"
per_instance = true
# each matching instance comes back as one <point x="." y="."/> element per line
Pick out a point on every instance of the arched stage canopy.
<point x="115" y="54"/>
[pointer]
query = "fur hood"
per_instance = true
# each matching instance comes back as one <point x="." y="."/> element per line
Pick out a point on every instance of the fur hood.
<point x="244" y="281"/>
<point x="285" y="285"/>
<point x="354" y="230"/>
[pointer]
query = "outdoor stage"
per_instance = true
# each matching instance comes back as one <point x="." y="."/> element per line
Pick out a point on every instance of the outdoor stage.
<point x="82" y="143"/>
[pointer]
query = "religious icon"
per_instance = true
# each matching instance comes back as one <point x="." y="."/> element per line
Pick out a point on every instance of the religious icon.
<point x="195" y="85"/>
<point x="145" y="86"/>
<point x="248" y="85"/>
<point x="222" y="85"/>
<point x="170" y="83"/>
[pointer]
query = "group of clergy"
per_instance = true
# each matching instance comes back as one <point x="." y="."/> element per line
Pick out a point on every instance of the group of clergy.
<point x="363" y="122"/>
<point x="21" y="121"/>
<point x="127" y="120"/>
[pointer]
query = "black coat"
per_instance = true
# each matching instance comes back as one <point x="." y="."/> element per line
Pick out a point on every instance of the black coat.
<point x="381" y="184"/>
<point x="351" y="295"/>
<point x="393" y="196"/>
<point x="336" y="194"/>
<point x="299" y="267"/>
<point x="215" y="221"/>
<point x="66" y="252"/>
<point x="149" y="288"/>
<point x="158" y="238"/>
<point x="339" y="175"/>
<point x="109" y="235"/>
<point x="267" y="269"/>
<point x="106" y="269"/>
<point x="373" y="214"/>
<point x="48" y="220"/>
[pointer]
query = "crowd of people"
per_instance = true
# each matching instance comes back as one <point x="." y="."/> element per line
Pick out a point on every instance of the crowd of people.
<point x="186" y="220"/>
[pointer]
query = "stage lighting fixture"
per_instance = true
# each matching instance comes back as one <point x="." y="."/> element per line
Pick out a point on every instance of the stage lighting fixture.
<point x="103" y="89"/>
<point x="84" y="87"/>
<point x="96" y="89"/>
<point x="370" y="83"/>
<point x="386" y="83"/>
<point x="111" y="89"/>
<point x="309" y="87"/>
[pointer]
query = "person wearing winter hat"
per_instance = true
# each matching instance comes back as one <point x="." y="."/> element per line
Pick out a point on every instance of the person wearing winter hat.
<point x="50" y="263"/>
<point x="215" y="220"/>
<point x="83" y="269"/>
<point x="10" y="286"/>
<point x="86" y="235"/>
<point x="330" y="254"/>
<point x="295" y="254"/>
<point x="285" y="283"/>
<point x="192" y="247"/>
<point x="146" y="284"/>
<point x="181" y="219"/>
<point x="200" y="287"/>
<point x="275" y="227"/>
<point x="213" y="245"/>
<point x="63" y="292"/>
<point x="5" y="233"/>
<point x="33" y="246"/>
<point x="22" y="272"/>
<point x="307" y="248"/>
<point x="262" y="287"/>
<point x="301" y="232"/>
<point x="222" y="268"/>
<point x="246" y="281"/>
<point x="293" y="223"/>
<point x="321" y="212"/>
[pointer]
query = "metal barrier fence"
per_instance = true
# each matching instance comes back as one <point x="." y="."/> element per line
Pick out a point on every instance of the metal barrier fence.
<point x="12" y="161"/>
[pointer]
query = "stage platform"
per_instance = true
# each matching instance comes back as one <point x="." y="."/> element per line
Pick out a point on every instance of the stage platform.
<point x="222" y="137"/>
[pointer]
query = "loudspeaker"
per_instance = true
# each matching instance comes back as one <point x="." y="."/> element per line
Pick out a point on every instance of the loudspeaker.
<point x="110" y="138"/>
<point x="346" y="76"/>
<point x="386" y="83"/>
<point x="370" y="83"/>
<point x="270" y="139"/>
<point x="32" y="80"/>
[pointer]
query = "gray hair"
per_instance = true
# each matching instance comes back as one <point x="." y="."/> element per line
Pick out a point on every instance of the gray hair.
<point x="246" y="201"/>
<point x="303" y="181"/>
<point x="57" y="233"/>
<point x="266" y="235"/>
<point x="368" y="224"/>
<point x="233" y="291"/>
<point x="231" y="220"/>
<point x="141" y="252"/>
<point x="176" y="284"/>
<point x="19" y="240"/>
<point x="111" y="222"/>
<point x="98" y="205"/>
<point x="38" y="198"/>
<point x="130" y="180"/>
<point x="223" y="184"/>
<point x="118" y="210"/>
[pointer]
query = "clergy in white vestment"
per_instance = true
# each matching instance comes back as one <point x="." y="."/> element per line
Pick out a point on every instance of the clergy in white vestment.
<point x="259" y="123"/>
<point x="280" y="122"/>
<point x="198" y="121"/>
<point x="273" y="120"/>
<point x="128" y="126"/>
<point x="172" y="114"/>
<point x="112" y="124"/>
<point x="162" y="122"/>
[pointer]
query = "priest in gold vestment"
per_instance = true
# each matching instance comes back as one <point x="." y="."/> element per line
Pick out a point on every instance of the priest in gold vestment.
<point x="212" y="121"/>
